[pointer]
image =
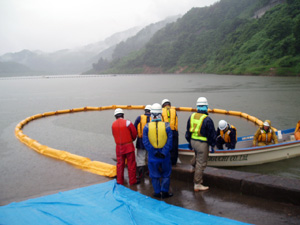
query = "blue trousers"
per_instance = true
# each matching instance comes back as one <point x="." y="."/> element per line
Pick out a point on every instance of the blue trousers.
<point x="160" y="173"/>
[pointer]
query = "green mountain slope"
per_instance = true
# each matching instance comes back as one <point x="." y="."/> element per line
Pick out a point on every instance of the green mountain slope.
<point x="226" y="38"/>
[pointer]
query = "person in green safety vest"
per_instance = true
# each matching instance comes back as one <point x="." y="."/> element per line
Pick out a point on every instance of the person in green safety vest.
<point x="200" y="133"/>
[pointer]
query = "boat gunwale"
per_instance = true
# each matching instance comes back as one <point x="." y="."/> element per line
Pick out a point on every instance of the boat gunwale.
<point x="251" y="150"/>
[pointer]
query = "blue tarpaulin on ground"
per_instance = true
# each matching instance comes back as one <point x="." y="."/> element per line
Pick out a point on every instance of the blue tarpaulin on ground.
<point x="106" y="203"/>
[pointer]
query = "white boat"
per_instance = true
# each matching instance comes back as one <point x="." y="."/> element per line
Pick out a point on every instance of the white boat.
<point x="246" y="155"/>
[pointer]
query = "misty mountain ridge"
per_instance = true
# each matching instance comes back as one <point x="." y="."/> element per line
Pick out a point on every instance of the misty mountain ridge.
<point x="66" y="61"/>
<point x="108" y="42"/>
<point x="14" y="68"/>
<point x="134" y="43"/>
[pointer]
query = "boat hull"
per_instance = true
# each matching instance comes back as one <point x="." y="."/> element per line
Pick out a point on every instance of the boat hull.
<point x="247" y="156"/>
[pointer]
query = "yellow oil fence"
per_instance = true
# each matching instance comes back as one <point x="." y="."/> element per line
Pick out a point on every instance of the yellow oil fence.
<point x="84" y="163"/>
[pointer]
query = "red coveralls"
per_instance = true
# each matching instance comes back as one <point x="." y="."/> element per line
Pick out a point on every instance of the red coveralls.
<point x="124" y="133"/>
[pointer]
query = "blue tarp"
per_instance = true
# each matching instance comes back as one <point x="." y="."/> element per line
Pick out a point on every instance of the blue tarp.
<point x="106" y="203"/>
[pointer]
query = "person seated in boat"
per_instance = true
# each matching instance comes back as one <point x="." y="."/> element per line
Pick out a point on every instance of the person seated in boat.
<point x="265" y="135"/>
<point x="297" y="131"/>
<point x="226" y="134"/>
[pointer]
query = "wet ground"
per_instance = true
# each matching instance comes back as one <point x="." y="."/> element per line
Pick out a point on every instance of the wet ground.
<point x="215" y="201"/>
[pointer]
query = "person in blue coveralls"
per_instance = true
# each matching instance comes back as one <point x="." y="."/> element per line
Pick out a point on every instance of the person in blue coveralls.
<point x="200" y="133"/>
<point x="157" y="139"/>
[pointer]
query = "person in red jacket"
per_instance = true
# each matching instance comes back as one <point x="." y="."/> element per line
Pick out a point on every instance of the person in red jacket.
<point x="124" y="134"/>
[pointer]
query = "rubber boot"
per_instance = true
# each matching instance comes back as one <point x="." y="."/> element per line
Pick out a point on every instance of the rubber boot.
<point x="166" y="194"/>
<point x="140" y="172"/>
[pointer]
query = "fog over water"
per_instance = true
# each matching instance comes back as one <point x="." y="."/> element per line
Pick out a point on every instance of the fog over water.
<point x="53" y="25"/>
<point x="26" y="173"/>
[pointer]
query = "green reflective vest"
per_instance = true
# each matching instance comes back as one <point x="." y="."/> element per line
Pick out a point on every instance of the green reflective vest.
<point x="195" y="126"/>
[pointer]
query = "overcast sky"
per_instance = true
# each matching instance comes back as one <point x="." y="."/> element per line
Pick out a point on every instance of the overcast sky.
<point x="51" y="25"/>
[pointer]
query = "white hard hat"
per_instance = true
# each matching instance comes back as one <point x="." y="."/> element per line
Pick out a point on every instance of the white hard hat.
<point x="165" y="101"/>
<point x="266" y="124"/>
<point x="148" y="107"/>
<point x="222" y="124"/>
<point x="202" y="101"/>
<point x="119" y="111"/>
<point x="156" y="108"/>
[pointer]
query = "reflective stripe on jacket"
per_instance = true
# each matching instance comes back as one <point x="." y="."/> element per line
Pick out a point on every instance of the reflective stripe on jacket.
<point x="157" y="134"/>
<point x="196" y="124"/>
<point x="169" y="115"/>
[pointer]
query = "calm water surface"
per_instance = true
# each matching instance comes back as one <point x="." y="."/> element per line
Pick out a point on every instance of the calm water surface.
<point x="26" y="173"/>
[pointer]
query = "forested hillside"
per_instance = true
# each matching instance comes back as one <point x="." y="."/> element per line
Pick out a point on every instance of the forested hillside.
<point x="225" y="38"/>
<point x="128" y="46"/>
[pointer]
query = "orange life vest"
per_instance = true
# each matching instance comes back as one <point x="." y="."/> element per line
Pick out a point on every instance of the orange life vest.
<point x="121" y="132"/>
<point x="297" y="131"/>
<point x="169" y="115"/>
<point x="141" y="125"/>
<point x="265" y="136"/>
<point x="226" y="136"/>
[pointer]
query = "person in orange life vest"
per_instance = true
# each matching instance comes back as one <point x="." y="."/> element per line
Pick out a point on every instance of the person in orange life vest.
<point x="226" y="134"/>
<point x="169" y="115"/>
<point x="157" y="139"/>
<point x="124" y="134"/>
<point x="297" y="131"/>
<point x="141" y="152"/>
<point x="265" y="135"/>
<point x="200" y="133"/>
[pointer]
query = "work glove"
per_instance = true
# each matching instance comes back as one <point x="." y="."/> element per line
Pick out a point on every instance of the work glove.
<point x="159" y="155"/>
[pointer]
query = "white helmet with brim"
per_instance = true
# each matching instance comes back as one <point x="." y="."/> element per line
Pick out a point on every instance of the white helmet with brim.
<point x="118" y="111"/>
<point x="202" y="101"/>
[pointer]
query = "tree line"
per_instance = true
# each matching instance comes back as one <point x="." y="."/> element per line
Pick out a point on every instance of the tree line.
<point x="225" y="38"/>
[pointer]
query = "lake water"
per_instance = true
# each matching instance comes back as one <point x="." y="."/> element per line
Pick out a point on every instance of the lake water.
<point x="25" y="173"/>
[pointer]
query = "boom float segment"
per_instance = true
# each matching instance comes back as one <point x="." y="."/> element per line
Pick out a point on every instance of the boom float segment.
<point x="84" y="163"/>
